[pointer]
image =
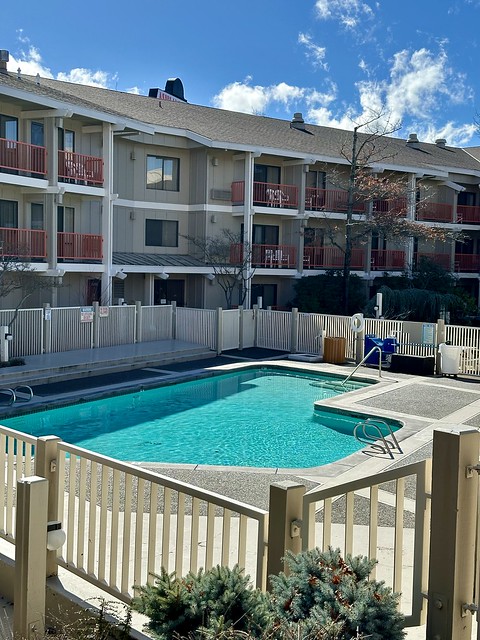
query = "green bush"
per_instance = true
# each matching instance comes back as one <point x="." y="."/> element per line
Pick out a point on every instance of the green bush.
<point x="213" y="603"/>
<point x="326" y="596"/>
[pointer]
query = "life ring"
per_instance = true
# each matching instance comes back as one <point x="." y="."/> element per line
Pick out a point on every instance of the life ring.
<point x="357" y="323"/>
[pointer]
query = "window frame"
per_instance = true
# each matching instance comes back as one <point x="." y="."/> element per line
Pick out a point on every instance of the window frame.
<point x="161" y="241"/>
<point x="163" y="184"/>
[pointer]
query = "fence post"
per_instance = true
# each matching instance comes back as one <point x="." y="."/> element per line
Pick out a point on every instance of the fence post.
<point x="453" y="528"/>
<point x="285" y="520"/>
<point x="174" y="320"/>
<point x="46" y="467"/>
<point x="440" y="337"/>
<point x="240" y="327"/>
<point x="30" y="558"/>
<point x="294" y="331"/>
<point x="219" y="340"/>
<point x="138" y="321"/>
<point x="96" y="325"/>
<point x="47" y="328"/>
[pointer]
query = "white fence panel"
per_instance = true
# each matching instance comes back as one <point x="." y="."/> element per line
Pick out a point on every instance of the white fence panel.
<point x="230" y="322"/>
<point x="197" y="325"/>
<point x="310" y="329"/>
<point x="469" y="339"/>
<point x="118" y="327"/>
<point x="27" y="331"/>
<point x="156" y="323"/>
<point x="16" y="461"/>
<point x="274" y="329"/>
<point x="68" y="332"/>
<point x="124" y="524"/>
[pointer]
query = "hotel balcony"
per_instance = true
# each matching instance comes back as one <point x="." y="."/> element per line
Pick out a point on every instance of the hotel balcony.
<point x="83" y="247"/>
<point x="442" y="259"/>
<point x="267" y="255"/>
<point x="435" y="212"/>
<point x="468" y="214"/>
<point x="387" y="260"/>
<point x="22" y="158"/>
<point x="80" y="169"/>
<point x="467" y="263"/>
<point x="267" y="194"/>
<point x="23" y="244"/>
<point x="332" y="258"/>
<point x="333" y="200"/>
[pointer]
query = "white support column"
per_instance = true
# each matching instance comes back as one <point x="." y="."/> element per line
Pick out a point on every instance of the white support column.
<point x="411" y="211"/>
<point x="107" y="214"/>
<point x="248" y="221"/>
<point x="30" y="558"/>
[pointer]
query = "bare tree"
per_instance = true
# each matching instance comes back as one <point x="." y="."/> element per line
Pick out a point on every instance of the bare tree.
<point x="375" y="202"/>
<point x="19" y="278"/>
<point x="229" y="258"/>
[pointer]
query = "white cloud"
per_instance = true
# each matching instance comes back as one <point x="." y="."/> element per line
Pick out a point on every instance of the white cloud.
<point x="347" y="12"/>
<point x="30" y="63"/>
<point x="242" y="96"/>
<point x="456" y="135"/>
<point x="314" y="52"/>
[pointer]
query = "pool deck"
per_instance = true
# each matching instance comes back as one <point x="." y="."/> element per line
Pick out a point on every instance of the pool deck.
<point x="421" y="403"/>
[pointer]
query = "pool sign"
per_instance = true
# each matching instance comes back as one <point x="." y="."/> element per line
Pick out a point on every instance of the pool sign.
<point x="86" y="314"/>
<point x="103" y="312"/>
<point x="428" y="333"/>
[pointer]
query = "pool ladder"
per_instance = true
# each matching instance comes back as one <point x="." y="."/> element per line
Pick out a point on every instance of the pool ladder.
<point x="362" y="361"/>
<point x="21" y="393"/>
<point x="378" y="435"/>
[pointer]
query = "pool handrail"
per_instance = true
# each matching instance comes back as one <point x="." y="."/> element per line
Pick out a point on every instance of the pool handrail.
<point x="362" y="361"/>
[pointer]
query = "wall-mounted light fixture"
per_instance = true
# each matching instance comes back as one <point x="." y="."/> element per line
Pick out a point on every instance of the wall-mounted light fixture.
<point x="210" y="276"/>
<point x="56" y="536"/>
<point x="132" y="155"/>
<point x="215" y="162"/>
<point x="162" y="276"/>
<point x="120" y="275"/>
<point x="132" y="215"/>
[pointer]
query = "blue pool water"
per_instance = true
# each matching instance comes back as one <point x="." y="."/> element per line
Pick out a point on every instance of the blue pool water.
<point x="257" y="417"/>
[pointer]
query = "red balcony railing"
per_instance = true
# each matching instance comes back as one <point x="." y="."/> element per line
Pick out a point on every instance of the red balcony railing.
<point x="335" y="200"/>
<point x="331" y="258"/>
<point x="22" y="157"/>
<point x="467" y="262"/>
<point x="24" y="244"/>
<point x="442" y="259"/>
<point x="282" y="196"/>
<point x="387" y="259"/>
<point x="468" y="214"/>
<point x="267" y="255"/>
<point x="79" y="168"/>
<point x="79" y="246"/>
<point x="393" y="205"/>
<point x="435" y="212"/>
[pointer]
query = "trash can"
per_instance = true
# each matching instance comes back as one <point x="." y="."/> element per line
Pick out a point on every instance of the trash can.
<point x="334" y="350"/>
<point x="449" y="358"/>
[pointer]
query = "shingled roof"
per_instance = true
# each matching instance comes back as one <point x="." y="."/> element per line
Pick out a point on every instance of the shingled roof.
<point x="229" y="129"/>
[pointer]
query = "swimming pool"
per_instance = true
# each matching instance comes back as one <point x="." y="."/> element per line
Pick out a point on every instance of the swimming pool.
<point x="259" y="417"/>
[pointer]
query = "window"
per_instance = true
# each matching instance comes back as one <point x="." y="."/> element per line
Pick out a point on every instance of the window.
<point x="161" y="233"/>
<point x="316" y="179"/>
<point x="264" y="234"/>
<point x="65" y="219"/>
<point x="9" y="214"/>
<point x="163" y="173"/>
<point x="466" y="198"/>
<point x="37" y="136"/>
<point x="8" y="127"/>
<point x="36" y="216"/>
<point x="314" y="237"/>
<point x="268" y="293"/>
<point x="266" y="173"/>
<point x="66" y="140"/>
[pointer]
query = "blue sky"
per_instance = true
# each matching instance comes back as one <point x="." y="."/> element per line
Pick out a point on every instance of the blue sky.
<point x="416" y="61"/>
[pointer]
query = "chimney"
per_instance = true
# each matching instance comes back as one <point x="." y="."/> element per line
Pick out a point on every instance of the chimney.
<point x="413" y="141"/>
<point x="441" y="142"/>
<point x="4" y="58"/>
<point x="298" y="122"/>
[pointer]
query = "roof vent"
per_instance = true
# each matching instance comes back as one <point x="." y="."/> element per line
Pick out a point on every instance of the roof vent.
<point x="4" y="58"/>
<point x="298" y="122"/>
<point x="441" y="142"/>
<point x="413" y="140"/>
<point x="173" y="91"/>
